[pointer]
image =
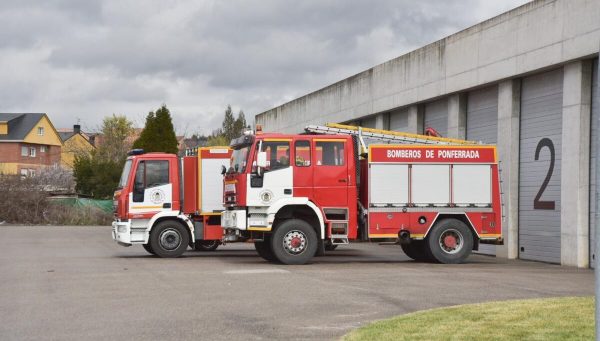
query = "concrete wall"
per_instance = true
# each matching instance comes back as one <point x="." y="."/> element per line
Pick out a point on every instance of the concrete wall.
<point x="534" y="36"/>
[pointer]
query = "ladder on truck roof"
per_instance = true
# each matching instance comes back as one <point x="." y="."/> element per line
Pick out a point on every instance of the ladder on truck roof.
<point x="387" y="136"/>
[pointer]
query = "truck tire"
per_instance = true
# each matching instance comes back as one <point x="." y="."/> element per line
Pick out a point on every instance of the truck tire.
<point x="450" y="241"/>
<point x="206" y="245"/>
<point x="263" y="248"/>
<point x="169" y="239"/>
<point x="416" y="250"/>
<point x="148" y="248"/>
<point x="294" y="242"/>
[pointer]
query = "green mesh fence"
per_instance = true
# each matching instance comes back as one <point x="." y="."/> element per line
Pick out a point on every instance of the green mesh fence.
<point x="105" y="205"/>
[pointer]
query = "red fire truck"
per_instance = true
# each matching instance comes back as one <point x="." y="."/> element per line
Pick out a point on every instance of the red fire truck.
<point x="166" y="203"/>
<point x="294" y="195"/>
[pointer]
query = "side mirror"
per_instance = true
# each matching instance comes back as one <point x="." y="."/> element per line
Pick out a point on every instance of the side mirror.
<point x="261" y="160"/>
<point x="223" y="170"/>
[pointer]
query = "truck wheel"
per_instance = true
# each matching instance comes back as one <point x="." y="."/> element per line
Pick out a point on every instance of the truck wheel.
<point x="294" y="242"/>
<point x="206" y="245"/>
<point x="264" y="250"/>
<point x="148" y="248"/>
<point x="416" y="250"/>
<point x="169" y="239"/>
<point x="450" y="241"/>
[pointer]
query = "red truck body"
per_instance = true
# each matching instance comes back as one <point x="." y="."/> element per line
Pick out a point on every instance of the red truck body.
<point x="438" y="201"/>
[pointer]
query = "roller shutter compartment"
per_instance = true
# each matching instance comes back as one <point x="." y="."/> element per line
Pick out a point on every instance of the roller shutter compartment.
<point x="539" y="166"/>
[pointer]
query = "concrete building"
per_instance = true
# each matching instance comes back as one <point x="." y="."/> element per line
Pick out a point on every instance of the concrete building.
<point x="523" y="80"/>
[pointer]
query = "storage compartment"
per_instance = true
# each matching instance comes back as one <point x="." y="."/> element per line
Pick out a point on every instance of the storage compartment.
<point x="430" y="185"/>
<point x="472" y="185"/>
<point x="389" y="185"/>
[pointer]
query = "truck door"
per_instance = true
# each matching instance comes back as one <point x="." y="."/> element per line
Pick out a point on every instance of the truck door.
<point x="303" y="172"/>
<point x="152" y="189"/>
<point x="330" y="172"/>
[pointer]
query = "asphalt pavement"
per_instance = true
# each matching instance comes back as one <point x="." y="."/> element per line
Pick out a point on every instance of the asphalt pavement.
<point x="73" y="283"/>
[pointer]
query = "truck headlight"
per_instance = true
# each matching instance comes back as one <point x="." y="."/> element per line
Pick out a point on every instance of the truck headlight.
<point x="122" y="229"/>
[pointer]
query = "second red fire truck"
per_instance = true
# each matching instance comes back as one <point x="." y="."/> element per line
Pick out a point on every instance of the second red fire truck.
<point x="294" y="195"/>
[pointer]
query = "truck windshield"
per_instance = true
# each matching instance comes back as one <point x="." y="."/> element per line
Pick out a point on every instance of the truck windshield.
<point x="125" y="174"/>
<point x="239" y="158"/>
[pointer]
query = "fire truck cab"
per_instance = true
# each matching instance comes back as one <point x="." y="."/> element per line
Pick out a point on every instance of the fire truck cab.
<point x="166" y="203"/>
<point x="296" y="195"/>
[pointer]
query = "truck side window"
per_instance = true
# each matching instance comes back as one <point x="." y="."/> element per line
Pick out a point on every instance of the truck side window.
<point x="138" y="183"/>
<point x="330" y="153"/>
<point x="157" y="173"/>
<point x="302" y="153"/>
<point x="278" y="154"/>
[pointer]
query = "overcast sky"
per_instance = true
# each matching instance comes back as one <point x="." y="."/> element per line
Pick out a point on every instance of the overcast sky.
<point x="82" y="60"/>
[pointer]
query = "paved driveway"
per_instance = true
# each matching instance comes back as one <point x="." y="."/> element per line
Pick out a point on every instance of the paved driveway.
<point x="76" y="283"/>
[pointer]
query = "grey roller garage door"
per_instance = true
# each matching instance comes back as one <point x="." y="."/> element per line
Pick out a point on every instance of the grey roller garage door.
<point x="368" y="122"/>
<point x="539" y="161"/>
<point x="482" y="115"/>
<point x="593" y="153"/>
<point x="482" y="125"/>
<point x="399" y="120"/>
<point x="436" y="116"/>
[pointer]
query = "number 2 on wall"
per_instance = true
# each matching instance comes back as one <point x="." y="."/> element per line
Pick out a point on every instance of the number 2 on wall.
<point x="537" y="203"/>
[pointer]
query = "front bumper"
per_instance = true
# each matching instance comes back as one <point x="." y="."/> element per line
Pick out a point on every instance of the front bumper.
<point x="234" y="219"/>
<point x="121" y="232"/>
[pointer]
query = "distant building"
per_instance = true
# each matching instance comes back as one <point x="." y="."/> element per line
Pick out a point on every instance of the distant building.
<point x="75" y="142"/>
<point x="188" y="145"/>
<point x="97" y="139"/>
<point x="28" y="143"/>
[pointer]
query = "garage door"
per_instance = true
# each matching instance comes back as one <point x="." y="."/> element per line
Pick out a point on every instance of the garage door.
<point x="436" y="116"/>
<point x="399" y="120"/>
<point x="482" y="115"/>
<point x="482" y="125"/>
<point x="539" y="163"/>
<point x="593" y="153"/>
<point x="369" y="122"/>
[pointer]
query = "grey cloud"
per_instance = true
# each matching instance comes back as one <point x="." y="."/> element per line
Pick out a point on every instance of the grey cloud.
<point x="244" y="44"/>
<point x="130" y="56"/>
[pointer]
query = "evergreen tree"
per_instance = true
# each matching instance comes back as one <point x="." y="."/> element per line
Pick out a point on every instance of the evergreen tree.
<point x="239" y="124"/>
<point x="158" y="134"/>
<point x="228" y="127"/>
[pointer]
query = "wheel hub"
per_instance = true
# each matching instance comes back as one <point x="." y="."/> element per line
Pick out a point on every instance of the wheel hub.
<point x="451" y="241"/>
<point x="170" y="239"/>
<point x="294" y="242"/>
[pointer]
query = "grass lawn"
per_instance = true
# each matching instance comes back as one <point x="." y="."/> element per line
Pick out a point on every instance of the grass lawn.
<point x="566" y="318"/>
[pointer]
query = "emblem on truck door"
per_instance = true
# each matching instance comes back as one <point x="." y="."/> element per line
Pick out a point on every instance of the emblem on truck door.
<point x="157" y="196"/>
<point x="266" y="196"/>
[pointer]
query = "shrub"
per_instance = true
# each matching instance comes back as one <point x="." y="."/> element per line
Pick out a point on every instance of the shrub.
<point x="25" y="201"/>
